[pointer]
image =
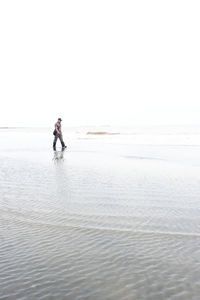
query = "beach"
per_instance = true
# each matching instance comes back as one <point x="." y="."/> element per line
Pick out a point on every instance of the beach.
<point x="117" y="217"/>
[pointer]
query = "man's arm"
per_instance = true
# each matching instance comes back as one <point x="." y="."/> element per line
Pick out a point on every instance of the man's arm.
<point x="58" y="132"/>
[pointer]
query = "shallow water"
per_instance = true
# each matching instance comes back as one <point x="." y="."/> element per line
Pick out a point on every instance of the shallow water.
<point x="114" y="219"/>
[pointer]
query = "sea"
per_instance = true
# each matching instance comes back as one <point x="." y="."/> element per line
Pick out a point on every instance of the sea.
<point x="115" y="216"/>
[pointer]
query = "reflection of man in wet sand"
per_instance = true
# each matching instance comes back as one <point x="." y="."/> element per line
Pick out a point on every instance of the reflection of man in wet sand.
<point x="58" y="155"/>
<point x="58" y="134"/>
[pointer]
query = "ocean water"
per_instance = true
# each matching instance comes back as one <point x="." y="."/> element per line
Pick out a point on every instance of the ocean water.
<point x="116" y="216"/>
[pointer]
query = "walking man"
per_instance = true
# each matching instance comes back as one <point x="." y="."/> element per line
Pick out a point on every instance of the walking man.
<point x="58" y="134"/>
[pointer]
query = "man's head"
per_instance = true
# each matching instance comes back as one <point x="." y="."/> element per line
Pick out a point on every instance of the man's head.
<point x="59" y="120"/>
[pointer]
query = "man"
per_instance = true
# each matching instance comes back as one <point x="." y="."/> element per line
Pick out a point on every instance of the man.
<point x="58" y="134"/>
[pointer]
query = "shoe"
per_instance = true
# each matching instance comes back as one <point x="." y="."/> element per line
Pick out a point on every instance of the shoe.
<point x="63" y="145"/>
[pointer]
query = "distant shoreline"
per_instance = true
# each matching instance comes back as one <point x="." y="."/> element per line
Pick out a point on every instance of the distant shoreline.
<point x="102" y="133"/>
<point x="9" y="127"/>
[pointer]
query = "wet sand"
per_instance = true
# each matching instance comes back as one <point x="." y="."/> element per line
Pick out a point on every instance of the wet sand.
<point x="111" y="220"/>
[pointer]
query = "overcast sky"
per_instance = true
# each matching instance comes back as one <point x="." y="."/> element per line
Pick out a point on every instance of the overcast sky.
<point x="99" y="62"/>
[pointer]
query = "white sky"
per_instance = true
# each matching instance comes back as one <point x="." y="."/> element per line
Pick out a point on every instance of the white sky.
<point x="99" y="62"/>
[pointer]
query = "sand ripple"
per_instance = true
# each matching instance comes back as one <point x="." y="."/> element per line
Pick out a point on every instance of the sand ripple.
<point x="98" y="228"/>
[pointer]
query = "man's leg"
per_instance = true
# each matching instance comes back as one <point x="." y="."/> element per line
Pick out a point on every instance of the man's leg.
<point x="54" y="142"/>
<point x="61" y="140"/>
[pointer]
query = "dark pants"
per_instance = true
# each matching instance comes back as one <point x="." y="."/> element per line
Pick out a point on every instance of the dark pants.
<point x="60" y="138"/>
